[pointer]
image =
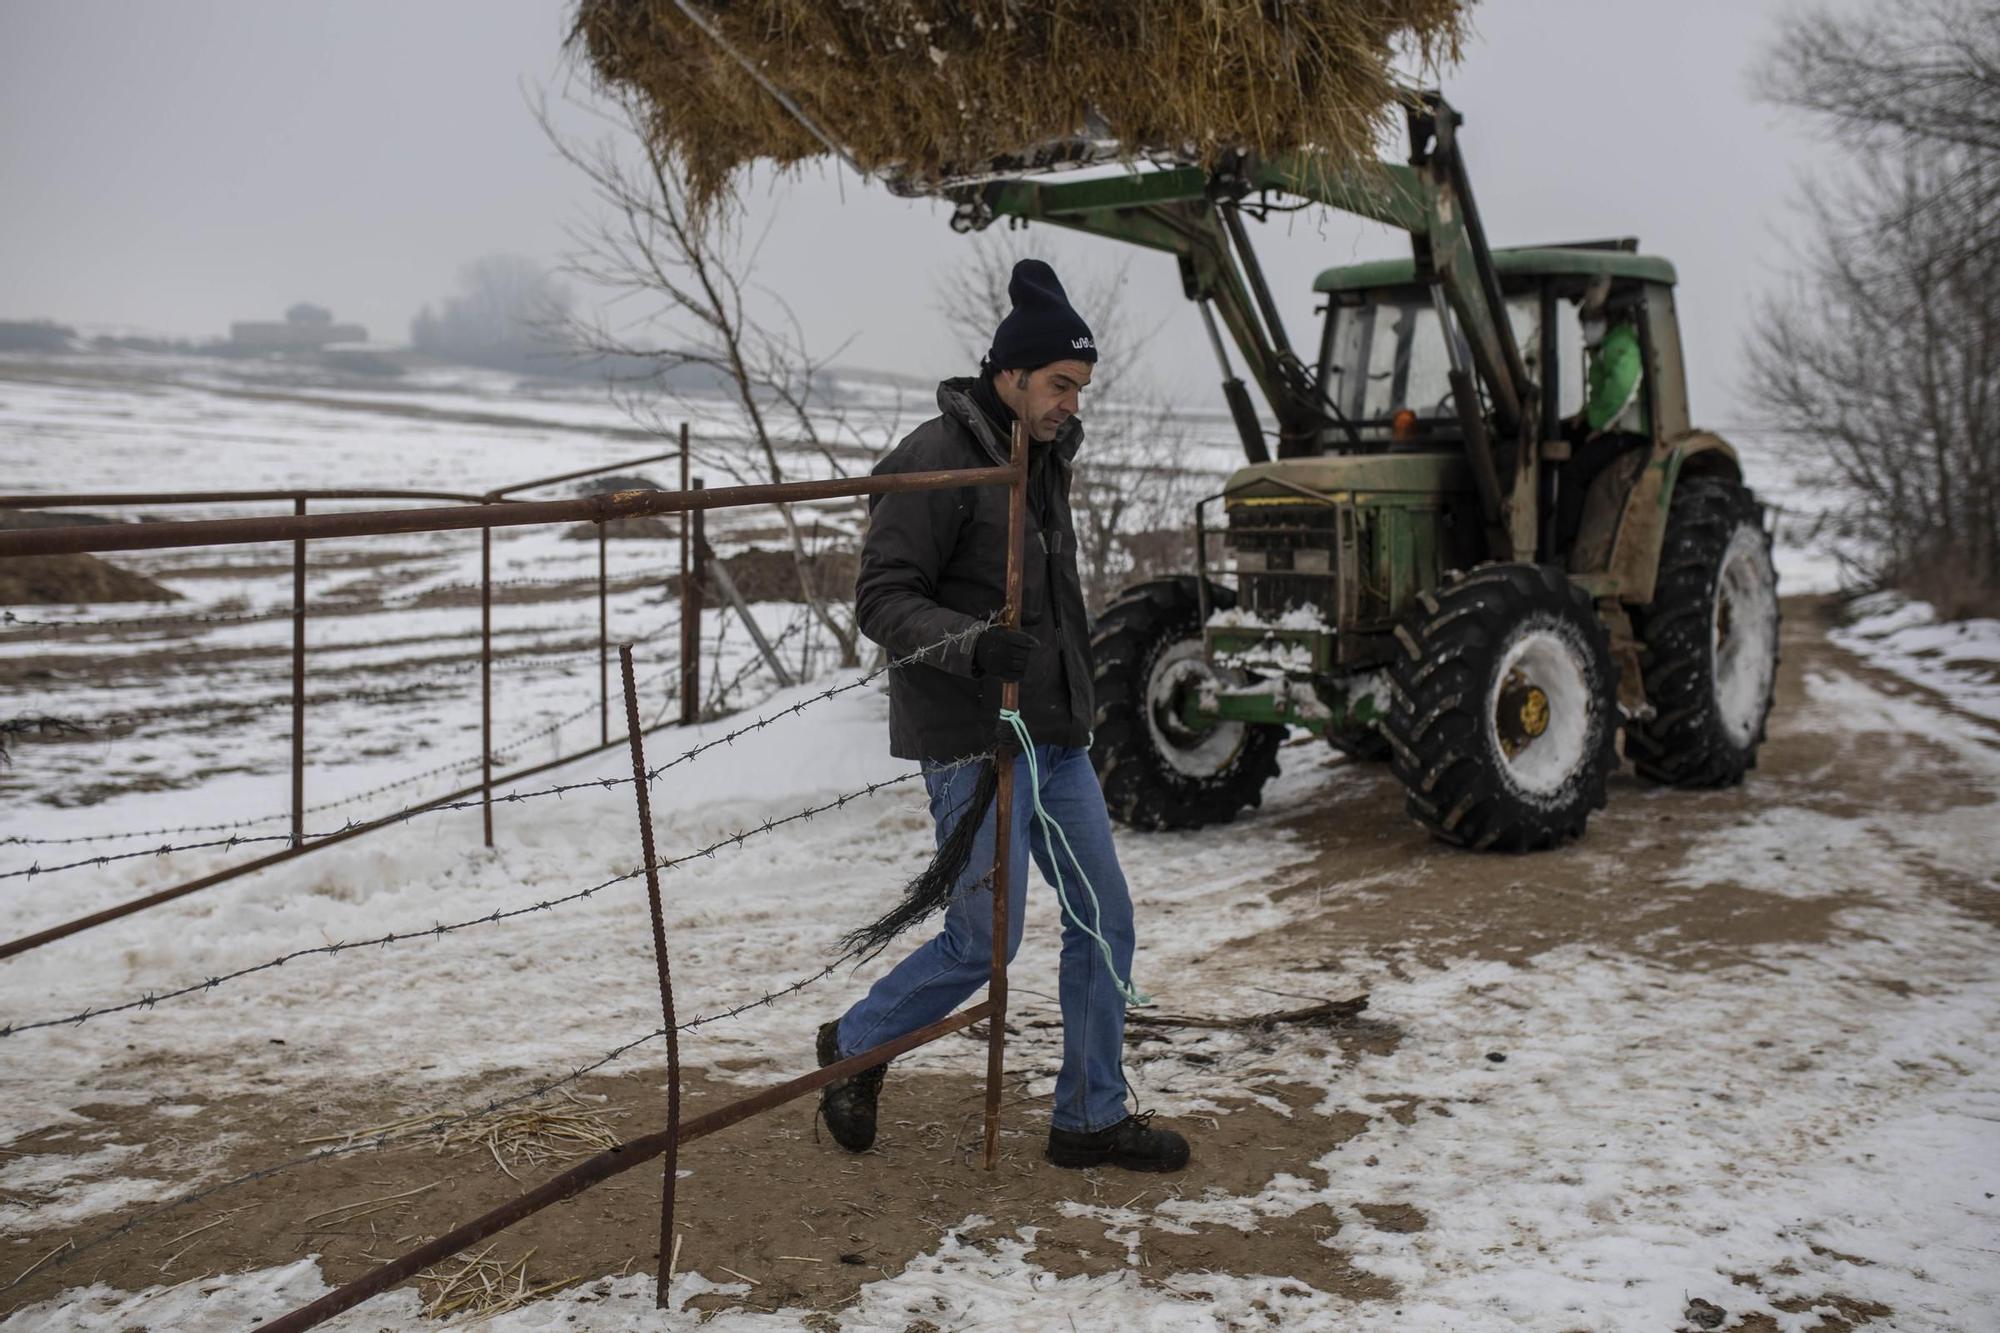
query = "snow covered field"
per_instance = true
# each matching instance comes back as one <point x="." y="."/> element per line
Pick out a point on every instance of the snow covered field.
<point x="1745" y="1040"/>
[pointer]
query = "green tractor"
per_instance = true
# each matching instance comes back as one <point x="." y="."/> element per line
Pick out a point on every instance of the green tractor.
<point x="1406" y="572"/>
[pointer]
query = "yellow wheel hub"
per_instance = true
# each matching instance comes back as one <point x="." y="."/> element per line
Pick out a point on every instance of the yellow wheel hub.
<point x="1534" y="713"/>
<point x="1520" y="715"/>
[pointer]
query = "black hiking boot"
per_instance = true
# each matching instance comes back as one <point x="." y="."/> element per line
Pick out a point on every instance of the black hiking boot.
<point x="1132" y="1143"/>
<point x="848" y="1104"/>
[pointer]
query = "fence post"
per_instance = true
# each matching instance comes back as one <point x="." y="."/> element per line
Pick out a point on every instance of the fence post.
<point x="644" y="798"/>
<point x="1003" y="803"/>
<point x="603" y="647"/>
<point x="682" y="520"/>
<point x="486" y="680"/>
<point x="694" y="570"/>
<point x="298" y="681"/>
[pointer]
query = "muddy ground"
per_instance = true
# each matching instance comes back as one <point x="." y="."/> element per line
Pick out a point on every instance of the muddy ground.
<point x="774" y="1205"/>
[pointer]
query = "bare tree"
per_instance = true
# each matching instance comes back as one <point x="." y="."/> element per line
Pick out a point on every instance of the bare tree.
<point x="1135" y="490"/>
<point x="689" y="272"/>
<point x="1912" y="70"/>
<point x="1882" y="362"/>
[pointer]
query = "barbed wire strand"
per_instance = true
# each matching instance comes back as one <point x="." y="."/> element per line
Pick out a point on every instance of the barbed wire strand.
<point x="400" y="816"/>
<point x="586" y="586"/>
<point x="652" y="774"/>
<point x="501" y="750"/>
<point x="445" y="678"/>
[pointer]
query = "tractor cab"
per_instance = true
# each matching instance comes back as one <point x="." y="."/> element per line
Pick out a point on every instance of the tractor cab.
<point x="1385" y="365"/>
<point x="1326" y="553"/>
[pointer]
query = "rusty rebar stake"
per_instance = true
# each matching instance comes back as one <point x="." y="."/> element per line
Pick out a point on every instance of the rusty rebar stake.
<point x="644" y="797"/>
<point x="298" y="681"/>
<point x="1003" y="802"/>
<point x="486" y="682"/>
<point x="693" y="599"/>
<point x="603" y="647"/>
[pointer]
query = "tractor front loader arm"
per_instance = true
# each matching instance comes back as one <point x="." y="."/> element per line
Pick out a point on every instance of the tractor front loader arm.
<point x="1195" y="214"/>
<point x="1178" y="211"/>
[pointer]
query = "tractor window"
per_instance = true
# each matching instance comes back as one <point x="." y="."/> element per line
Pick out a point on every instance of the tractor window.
<point x="1388" y="355"/>
<point x="1571" y="370"/>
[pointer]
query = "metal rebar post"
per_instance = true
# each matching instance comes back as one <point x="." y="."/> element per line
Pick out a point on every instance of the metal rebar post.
<point x="486" y="681"/>
<point x="641" y="792"/>
<point x="603" y="649"/>
<point x="1003" y="803"/>
<point x="685" y="525"/>
<point x="298" y="680"/>
<point x="691" y="604"/>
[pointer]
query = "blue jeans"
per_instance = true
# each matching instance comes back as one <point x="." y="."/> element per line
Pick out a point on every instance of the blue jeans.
<point x="941" y="974"/>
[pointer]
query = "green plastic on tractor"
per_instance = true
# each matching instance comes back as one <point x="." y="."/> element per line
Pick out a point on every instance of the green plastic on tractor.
<point x="1432" y="554"/>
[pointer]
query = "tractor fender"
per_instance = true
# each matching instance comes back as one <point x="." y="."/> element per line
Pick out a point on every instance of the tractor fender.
<point x="1634" y="561"/>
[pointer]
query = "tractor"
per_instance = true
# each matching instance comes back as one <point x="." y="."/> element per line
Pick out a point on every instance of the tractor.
<point x="1398" y="567"/>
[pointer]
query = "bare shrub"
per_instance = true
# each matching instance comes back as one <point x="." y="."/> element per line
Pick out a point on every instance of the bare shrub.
<point x="691" y="274"/>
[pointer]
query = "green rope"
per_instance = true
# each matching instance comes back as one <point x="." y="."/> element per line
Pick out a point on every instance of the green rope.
<point x="1052" y="833"/>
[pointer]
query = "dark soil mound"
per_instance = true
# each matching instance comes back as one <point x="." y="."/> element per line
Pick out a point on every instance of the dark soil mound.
<point x="18" y="519"/>
<point x="770" y="576"/>
<point x="58" y="580"/>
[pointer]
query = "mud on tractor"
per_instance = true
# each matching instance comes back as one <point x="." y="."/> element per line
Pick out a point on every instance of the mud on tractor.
<point x="1438" y="564"/>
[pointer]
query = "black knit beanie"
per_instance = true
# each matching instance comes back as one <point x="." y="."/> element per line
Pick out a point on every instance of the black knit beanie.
<point x="1042" y="327"/>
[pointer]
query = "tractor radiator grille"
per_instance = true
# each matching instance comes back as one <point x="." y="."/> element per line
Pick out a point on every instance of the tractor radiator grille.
<point x="1285" y="557"/>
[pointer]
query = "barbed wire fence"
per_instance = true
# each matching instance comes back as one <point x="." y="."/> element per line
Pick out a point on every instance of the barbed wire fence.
<point x="435" y="1126"/>
<point x="408" y="813"/>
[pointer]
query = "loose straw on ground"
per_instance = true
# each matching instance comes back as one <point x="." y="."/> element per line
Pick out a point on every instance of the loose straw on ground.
<point x="482" y="1287"/>
<point x="531" y="1134"/>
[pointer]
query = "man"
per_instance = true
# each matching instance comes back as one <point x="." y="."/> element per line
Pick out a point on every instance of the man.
<point x="1613" y="419"/>
<point x="934" y="566"/>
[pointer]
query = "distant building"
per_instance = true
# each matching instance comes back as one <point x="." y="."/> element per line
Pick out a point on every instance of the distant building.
<point x="305" y="326"/>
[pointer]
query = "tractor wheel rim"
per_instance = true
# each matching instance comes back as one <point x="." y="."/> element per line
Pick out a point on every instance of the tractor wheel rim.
<point x="1743" y="635"/>
<point x="1539" y="711"/>
<point x="1179" y="670"/>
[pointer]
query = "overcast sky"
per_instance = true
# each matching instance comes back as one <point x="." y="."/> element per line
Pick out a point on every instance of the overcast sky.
<point x="173" y="166"/>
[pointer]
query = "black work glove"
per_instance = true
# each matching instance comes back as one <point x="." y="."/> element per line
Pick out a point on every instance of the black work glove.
<point x="1002" y="652"/>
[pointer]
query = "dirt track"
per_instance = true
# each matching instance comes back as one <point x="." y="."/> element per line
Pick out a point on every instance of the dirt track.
<point x="807" y="1226"/>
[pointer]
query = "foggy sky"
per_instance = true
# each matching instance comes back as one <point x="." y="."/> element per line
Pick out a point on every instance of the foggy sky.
<point x="171" y="167"/>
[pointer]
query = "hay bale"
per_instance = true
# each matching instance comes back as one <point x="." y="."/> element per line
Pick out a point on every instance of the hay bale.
<point x="926" y="87"/>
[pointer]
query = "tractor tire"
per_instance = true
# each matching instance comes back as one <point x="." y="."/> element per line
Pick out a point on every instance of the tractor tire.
<point x="1157" y="772"/>
<point x="1709" y="641"/>
<point x="1503" y="711"/>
